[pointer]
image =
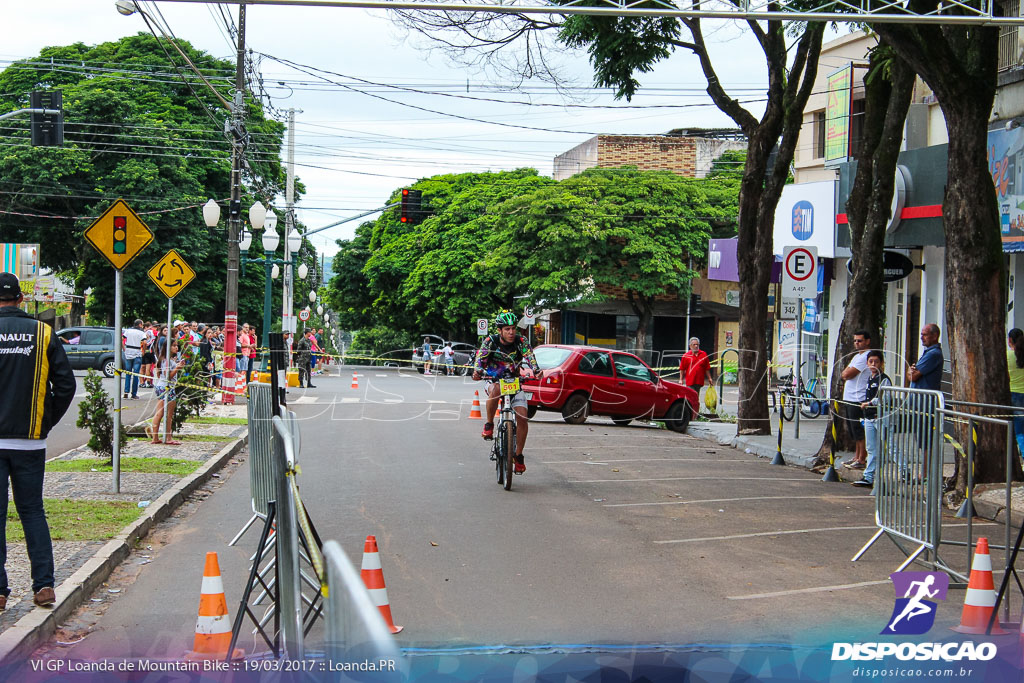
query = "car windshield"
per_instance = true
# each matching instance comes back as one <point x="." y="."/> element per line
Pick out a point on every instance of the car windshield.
<point x="550" y="357"/>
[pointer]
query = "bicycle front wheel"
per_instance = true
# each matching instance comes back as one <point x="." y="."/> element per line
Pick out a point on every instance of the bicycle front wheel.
<point x="810" y="405"/>
<point x="508" y="446"/>
<point x="496" y="454"/>
<point x="788" y="407"/>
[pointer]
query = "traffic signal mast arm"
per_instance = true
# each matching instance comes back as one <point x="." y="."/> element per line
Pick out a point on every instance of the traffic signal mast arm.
<point x="45" y="112"/>
<point x="353" y="218"/>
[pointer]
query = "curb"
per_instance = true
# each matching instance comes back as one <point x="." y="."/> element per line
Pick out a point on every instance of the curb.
<point x="791" y="456"/>
<point x="36" y="627"/>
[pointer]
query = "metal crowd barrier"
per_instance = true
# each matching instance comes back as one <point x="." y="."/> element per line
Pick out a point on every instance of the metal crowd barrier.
<point x="908" y="479"/>
<point x="912" y="426"/>
<point x="263" y="474"/>
<point x="355" y="628"/>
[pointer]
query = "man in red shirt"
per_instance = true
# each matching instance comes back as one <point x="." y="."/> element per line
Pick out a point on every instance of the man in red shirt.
<point x="694" y="367"/>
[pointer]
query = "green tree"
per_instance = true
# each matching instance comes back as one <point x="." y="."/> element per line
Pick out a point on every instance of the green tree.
<point x="133" y="130"/>
<point x="94" y="414"/>
<point x="606" y="231"/>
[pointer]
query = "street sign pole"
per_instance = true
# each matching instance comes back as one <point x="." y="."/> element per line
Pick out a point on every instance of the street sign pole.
<point x="167" y="366"/>
<point x="118" y="366"/>
<point x="798" y="356"/>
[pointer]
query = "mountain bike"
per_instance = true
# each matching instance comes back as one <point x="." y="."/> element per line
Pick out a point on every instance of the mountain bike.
<point x="503" y="447"/>
<point x="811" y="405"/>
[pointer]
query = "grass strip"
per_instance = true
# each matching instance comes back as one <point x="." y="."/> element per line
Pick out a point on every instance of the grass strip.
<point x="174" y="466"/>
<point x="219" y="420"/>
<point x="79" y="520"/>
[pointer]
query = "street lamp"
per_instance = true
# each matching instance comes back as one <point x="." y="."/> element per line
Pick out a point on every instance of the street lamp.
<point x="319" y="309"/>
<point x="275" y="272"/>
<point x="312" y="296"/>
<point x="303" y="271"/>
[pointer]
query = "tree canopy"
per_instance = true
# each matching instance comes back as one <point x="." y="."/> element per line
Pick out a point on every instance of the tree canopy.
<point x="133" y="130"/>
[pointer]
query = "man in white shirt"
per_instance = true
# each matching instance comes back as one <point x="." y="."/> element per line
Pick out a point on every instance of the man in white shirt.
<point x="855" y="390"/>
<point x="133" y="338"/>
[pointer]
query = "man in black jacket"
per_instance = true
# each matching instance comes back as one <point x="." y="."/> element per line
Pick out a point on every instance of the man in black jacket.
<point x="39" y="387"/>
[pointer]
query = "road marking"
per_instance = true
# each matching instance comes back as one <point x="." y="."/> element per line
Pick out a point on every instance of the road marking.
<point x="733" y="500"/>
<point x="617" y="481"/>
<point x="605" y="461"/>
<point x="381" y="375"/>
<point x="349" y="400"/>
<point x="770" y="533"/>
<point x="306" y="399"/>
<point x="797" y="591"/>
<point x="593" y="446"/>
<point x="429" y="401"/>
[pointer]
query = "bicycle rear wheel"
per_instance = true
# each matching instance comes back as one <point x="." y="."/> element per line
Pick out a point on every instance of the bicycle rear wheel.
<point x="508" y="446"/>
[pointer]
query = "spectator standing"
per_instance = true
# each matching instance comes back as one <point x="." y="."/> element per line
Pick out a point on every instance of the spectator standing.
<point x="1015" y="363"/>
<point x="876" y="379"/>
<point x="39" y="387"/>
<point x="855" y="388"/>
<point x="206" y="353"/>
<point x="449" y="359"/>
<point x="253" y="346"/>
<point x="242" y="363"/>
<point x="167" y="366"/>
<point x="148" y="358"/>
<point x="427" y="356"/>
<point x="303" y="350"/>
<point x="133" y="339"/>
<point x="694" y="367"/>
<point x="927" y="372"/>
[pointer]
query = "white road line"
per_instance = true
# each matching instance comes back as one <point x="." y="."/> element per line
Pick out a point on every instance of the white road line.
<point x="605" y="460"/>
<point x="382" y="375"/>
<point x="306" y="399"/>
<point x="770" y="533"/>
<point x="619" y="481"/>
<point x="593" y="446"/>
<point x="733" y="500"/>
<point x="349" y="400"/>
<point x="797" y="591"/>
<point x="430" y="401"/>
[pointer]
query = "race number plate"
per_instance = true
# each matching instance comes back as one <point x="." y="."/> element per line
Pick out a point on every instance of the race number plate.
<point x="509" y="386"/>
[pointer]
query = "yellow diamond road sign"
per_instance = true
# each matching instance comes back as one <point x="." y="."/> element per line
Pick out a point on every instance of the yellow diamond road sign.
<point x="119" y="235"/>
<point x="171" y="274"/>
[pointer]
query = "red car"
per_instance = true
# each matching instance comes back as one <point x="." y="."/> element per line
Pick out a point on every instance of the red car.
<point x="588" y="380"/>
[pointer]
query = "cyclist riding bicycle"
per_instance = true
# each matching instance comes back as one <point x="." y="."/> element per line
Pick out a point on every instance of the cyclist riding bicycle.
<point x="502" y="354"/>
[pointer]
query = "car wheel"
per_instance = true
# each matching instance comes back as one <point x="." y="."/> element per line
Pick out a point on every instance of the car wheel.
<point x="576" y="409"/>
<point x="678" y="417"/>
<point x="108" y="368"/>
<point x="622" y="421"/>
<point x="531" y="411"/>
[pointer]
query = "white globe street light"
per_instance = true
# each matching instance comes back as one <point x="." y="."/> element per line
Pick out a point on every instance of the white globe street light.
<point x="270" y="240"/>
<point x="211" y="214"/>
<point x="245" y="240"/>
<point x="319" y="310"/>
<point x="257" y="214"/>
<point x="294" y="241"/>
<point x="312" y="296"/>
<point x="303" y="271"/>
<point x="270" y="222"/>
<point x="275" y="272"/>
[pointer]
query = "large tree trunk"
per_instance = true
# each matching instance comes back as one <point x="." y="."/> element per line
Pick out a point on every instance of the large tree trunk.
<point x="887" y="100"/>
<point x="643" y="306"/>
<point x="959" y="64"/>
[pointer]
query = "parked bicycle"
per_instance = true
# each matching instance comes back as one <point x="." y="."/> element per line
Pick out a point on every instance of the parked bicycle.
<point x="811" y="405"/>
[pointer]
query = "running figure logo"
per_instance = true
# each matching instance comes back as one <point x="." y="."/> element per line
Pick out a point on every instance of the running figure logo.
<point x="914" y="612"/>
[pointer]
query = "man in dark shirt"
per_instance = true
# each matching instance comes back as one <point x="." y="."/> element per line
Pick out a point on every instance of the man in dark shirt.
<point x="39" y="387"/>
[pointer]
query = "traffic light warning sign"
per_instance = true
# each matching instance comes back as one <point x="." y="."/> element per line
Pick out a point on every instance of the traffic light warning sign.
<point x="171" y="274"/>
<point x="119" y="235"/>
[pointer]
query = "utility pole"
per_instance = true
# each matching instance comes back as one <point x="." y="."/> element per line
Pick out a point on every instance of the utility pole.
<point x="234" y="215"/>
<point x="287" y="319"/>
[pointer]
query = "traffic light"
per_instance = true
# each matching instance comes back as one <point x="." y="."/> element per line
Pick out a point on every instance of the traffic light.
<point x="47" y="129"/>
<point x="412" y="211"/>
<point x="695" y="306"/>
<point x="120" y="234"/>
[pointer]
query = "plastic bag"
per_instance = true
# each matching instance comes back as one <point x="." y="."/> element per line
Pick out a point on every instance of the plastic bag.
<point x="711" y="399"/>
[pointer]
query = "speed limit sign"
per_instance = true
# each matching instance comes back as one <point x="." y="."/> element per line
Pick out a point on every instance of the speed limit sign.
<point x="304" y="315"/>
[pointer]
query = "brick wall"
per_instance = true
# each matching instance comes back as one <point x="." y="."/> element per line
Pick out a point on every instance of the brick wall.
<point x="619" y="293"/>
<point x="649" y="153"/>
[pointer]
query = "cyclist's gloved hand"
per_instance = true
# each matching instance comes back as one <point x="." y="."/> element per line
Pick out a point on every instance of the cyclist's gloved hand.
<point x="526" y="373"/>
<point x="476" y="375"/>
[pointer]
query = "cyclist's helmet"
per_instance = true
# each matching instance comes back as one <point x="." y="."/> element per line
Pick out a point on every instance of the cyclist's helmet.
<point x="504" y="319"/>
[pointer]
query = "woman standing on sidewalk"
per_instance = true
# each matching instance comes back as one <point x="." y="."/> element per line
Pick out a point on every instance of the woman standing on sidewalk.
<point x="1015" y="363"/>
<point x="166" y="368"/>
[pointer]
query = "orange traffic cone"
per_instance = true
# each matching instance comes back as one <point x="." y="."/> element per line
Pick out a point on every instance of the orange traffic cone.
<point x="373" y="577"/>
<point x="355" y="381"/>
<point x="981" y="595"/>
<point x="213" y="628"/>
<point x="474" y="413"/>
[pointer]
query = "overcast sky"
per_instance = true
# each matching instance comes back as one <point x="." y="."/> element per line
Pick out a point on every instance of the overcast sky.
<point x="364" y="147"/>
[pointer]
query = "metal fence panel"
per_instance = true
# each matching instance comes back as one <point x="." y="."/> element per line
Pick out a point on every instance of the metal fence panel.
<point x="263" y="474"/>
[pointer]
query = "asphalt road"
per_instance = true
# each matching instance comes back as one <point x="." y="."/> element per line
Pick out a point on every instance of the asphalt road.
<point x="614" y="535"/>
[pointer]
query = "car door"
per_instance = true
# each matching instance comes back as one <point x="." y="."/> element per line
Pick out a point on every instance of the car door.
<point x="93" y="345"/>
<point x="596" y="377"/>
<point x="637" y="383"/>
<point x="77" y="359"/>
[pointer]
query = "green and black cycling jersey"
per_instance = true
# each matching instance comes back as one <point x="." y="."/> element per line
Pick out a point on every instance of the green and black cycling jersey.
<point x="494" y="357"/>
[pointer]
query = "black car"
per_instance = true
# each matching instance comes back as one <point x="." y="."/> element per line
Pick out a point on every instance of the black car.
<point x="90" y="348"/>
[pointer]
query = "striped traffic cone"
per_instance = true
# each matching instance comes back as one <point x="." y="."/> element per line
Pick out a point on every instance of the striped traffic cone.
<point x="373" y="577"/>
<point x="355" y="381"/>
<point x="474" y="413"/>
<point x="981" y="595"/>
<point x="213" y="628"/>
